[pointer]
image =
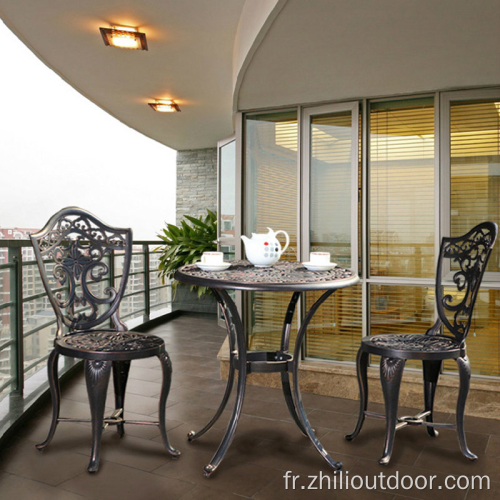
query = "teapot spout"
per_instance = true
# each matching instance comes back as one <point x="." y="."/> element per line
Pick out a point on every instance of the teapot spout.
<point x="245" y="238"/>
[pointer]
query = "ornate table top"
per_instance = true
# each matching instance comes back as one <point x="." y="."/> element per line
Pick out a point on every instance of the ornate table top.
<point x="283" y="276"/>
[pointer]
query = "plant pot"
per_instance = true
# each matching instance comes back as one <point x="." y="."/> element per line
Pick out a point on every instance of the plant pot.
<point x="188" y="301"/>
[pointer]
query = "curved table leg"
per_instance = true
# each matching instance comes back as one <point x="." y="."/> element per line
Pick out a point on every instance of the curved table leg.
<point x="240" y="390"/>
<point x="285" y="378"/>
<point x="361" y="370"/>
<point x="192" y="435"/>
<point x="296" y="389"/>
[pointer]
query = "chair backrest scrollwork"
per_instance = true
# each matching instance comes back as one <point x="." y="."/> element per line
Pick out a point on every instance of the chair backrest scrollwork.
<point x="470" y="253"/>
<point x="73" y="252"/>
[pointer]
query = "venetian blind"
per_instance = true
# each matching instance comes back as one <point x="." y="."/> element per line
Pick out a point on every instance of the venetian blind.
<point x="330" y="185"/>
<point x="402" y="188"/>
<point x="271" y="150"/>
<point x="335" y="330"/>
<point x="475" y="168"/>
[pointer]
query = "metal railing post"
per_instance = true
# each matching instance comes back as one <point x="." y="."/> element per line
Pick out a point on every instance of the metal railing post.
<point x="16" y="297"/>
<point x="147" y="286"/>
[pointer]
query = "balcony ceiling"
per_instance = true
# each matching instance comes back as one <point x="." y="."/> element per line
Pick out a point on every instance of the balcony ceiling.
<point x="215" y="57"/>
<point x="346" y="49"/>
<point x="189" y="59"/>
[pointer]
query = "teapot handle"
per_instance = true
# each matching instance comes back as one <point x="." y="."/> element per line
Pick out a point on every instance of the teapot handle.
<point x="287" y="240"/>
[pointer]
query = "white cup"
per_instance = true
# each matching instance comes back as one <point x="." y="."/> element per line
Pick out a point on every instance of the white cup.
<point x="320" y="258"/>
<point x="212" y="258"/>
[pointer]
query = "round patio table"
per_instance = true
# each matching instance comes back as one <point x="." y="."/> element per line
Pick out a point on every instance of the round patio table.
<point x="282" y="277"/>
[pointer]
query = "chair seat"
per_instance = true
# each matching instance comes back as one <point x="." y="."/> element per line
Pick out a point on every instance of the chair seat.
<point x="407" y="346"/>
<point x="110" y="345"/>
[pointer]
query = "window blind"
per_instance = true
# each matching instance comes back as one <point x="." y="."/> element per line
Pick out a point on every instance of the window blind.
<point x="271" y="151"/>
<point x="475" y="168"/>
<point x="402" y="188"/>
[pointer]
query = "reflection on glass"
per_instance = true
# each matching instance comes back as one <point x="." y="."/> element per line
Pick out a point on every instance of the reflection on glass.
<point x="483" y="341"/>
<point x="271" y="175"/>
<point x="335" y="330"/>
<point x="402" y="188"/>
<point x="270" y="201"/>
<point x="229" y="252"/>
<point x="401" y="309"/>
<point x="227" y="174"/>
<point x="330" y="177"/>
<point x="266" y="314"/>
<point x="475" y="168"/>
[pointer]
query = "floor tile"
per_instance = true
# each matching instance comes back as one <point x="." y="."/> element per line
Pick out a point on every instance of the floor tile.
<point x="202" y="493"/>
<point x="117" y="481"/>
<point x="15" y="487"/>
<point x="328" y="489"/>
<point x="393" y="477"/>
<point x="52" y="466"/>
<point x="266" y="445"/>
<point x="131" y="451"/>
<point x="234" y="476"/>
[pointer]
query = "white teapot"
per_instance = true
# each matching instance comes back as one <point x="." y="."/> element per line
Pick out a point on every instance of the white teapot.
<point x="264" y="250"/>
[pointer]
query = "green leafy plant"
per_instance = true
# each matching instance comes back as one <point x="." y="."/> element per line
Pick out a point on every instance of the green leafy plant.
<point x="185" y="245"/>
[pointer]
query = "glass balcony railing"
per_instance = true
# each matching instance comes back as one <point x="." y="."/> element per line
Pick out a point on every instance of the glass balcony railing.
<point x="28" y="323"/>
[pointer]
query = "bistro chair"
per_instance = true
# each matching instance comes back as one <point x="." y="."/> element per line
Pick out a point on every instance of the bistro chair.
<point x="466" y="257"/>
<point x="74" y="252"/>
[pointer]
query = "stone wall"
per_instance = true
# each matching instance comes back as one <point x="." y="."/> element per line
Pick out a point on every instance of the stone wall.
<point x="196" y="182"/>
<point x="196" y="191"/>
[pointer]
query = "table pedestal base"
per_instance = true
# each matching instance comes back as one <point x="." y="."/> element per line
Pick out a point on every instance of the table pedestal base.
<point x="262" y="362"/>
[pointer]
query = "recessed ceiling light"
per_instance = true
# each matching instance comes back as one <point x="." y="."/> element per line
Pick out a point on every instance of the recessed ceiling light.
<point x="164" y="106"/>
<point x="124" y="37"/>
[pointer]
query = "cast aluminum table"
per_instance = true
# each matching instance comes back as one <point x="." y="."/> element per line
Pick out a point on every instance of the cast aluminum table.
<point x="282" y="277"/>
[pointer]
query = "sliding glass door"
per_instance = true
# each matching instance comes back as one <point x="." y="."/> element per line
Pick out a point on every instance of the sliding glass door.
<point x="270" y="200"/>
<point x="380" y="205"/>
<point x="470" y="130"/>
<point x="330" y="179"/>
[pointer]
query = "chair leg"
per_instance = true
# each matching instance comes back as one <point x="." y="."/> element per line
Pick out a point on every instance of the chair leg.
<point x="166" y="366"/>
<point x="361" y="369"/>
<point x="120" y="376"/>
<point x="431" y="371"/>
<point x="464" y="372"/>
<point x="391" y="373"/>
<point x="97" y="375"/>
<point x="55" y="394"/>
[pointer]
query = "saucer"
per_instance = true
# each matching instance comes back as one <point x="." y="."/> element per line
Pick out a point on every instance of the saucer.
<point x="319" y="267"/>
<point x="220" y="266"/>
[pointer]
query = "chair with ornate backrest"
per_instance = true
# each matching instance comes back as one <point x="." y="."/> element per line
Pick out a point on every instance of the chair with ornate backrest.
<point x="467" y="258"/>
<point x="73" y="252"/>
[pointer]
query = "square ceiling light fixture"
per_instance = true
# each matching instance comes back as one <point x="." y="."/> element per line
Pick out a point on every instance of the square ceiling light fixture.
<point x="164" y="106"/>
<point x="124" y="37"/>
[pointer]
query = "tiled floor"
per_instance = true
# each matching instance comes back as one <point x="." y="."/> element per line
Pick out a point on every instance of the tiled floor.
<point x="267" y="443"/>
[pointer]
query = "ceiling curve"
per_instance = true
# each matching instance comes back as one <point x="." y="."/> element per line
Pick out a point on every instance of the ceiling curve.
<point x="342" y="49"/>
<point x="189" y="59"/>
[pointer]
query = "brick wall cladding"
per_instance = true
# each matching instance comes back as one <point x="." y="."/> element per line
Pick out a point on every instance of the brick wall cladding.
<point x="196" y="182"/>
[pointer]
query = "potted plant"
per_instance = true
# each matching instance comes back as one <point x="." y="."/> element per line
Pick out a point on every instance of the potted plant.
<point x="185" y="245"/>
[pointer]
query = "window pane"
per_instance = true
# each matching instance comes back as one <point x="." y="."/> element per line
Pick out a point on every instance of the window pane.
<point x="271" y="150"/>
<point x="335" y="330"/>
<point x="402" y="188"/>
<point x="227" y="188"/>
<point x="271" y="175"/>
<point x="331" y="190"/>
<point x="265" y="319"/>
<point x="475" y="168"/>
<point x="483" y="341"/>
